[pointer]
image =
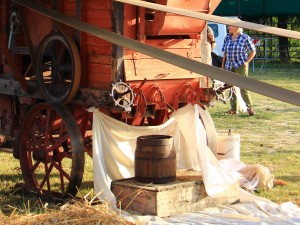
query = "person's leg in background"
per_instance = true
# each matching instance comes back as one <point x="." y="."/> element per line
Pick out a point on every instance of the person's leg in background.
<point x="233" y="104"/>
<point x="245" y="93"/>
<point x="233" y="101"/>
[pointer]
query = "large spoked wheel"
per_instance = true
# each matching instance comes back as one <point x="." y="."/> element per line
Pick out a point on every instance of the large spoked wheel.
<point x="51" y="151"/>
<point x="58" y="68"/>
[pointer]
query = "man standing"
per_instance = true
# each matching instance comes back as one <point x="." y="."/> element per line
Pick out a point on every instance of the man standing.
<point x="238" y="50"/>
<point x="211" y="42"/>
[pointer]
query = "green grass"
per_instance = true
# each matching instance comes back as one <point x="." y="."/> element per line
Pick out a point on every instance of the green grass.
<point x="271" y="137"/>
<point x="13" y="201"/>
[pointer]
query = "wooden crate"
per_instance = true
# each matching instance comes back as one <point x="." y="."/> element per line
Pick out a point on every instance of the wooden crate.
<point x="186" y="194"/>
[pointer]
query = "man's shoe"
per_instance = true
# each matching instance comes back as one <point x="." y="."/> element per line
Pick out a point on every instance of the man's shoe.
<point x="251" y="112"/>
<point x="232" y="112"/>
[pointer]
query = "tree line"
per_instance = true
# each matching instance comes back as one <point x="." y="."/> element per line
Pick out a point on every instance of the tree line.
<point x="287" y="49"/>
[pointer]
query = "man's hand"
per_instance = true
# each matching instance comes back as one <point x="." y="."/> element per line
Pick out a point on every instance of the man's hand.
<point x="210" y="36"/>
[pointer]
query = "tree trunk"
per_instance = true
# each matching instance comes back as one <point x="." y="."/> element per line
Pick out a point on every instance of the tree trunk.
<point x="284" y="54"/>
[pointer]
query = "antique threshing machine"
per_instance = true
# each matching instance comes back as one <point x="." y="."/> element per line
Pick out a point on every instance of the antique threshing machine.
<point x="137" y="61"/>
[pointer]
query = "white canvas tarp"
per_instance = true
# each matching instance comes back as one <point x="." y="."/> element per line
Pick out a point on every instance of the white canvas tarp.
<point x="114" y="144"/>
<point x="252" y="210"/>
<point x="113" y="157"/>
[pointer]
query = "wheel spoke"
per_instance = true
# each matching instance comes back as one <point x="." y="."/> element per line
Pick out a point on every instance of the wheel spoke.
<point x="58" y="143"/>
<point x="46" y="178"/>
<point x="66" y="155"/>
<point x="61" y="170"/>
<point x="50" y="140"/>
<point x="47" y="67"/>
<point x="126" y="99"/>
<point x="37" y="163"/>
<point x="61" y="54"/>
<point x="62" y="183"/>
<point x="67" y="67"/>
<point x="49" y="121"/>
<point x="53" y="53"/>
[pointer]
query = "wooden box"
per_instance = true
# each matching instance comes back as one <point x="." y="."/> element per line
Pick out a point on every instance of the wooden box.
<point x="186" y="194"/>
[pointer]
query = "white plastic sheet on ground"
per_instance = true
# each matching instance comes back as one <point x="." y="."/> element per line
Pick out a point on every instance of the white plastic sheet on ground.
<point x="113" y="158"/>
<point x="252" y="210"/>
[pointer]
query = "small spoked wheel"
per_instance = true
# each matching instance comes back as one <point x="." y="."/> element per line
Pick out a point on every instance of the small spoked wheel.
<point x="223" y="91"/>
<point x="58" y="68"/>
<point x="51" y="151"/>
<point x="122" y="95"/>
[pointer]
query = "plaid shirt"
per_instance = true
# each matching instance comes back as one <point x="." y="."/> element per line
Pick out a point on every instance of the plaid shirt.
<point x="237" y="51"/>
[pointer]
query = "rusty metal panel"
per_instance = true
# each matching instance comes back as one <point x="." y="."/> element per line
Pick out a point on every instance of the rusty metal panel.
<point x="162" y="23"/>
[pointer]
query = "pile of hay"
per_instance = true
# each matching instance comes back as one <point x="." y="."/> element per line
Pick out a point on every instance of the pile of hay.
<point x="77" y="214"/>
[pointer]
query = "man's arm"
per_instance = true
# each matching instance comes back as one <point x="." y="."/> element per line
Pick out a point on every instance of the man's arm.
<point x="250" y="57"/>
<point x="213" y="44"/>
<point x="223" y="60"/>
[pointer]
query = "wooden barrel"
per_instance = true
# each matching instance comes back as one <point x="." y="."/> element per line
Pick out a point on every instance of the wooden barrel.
<point x="155" y="159"/>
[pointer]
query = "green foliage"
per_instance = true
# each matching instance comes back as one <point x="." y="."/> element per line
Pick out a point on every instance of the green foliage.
<point x="270" y="46"/>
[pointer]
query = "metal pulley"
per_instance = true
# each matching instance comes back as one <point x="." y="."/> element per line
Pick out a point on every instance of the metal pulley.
<point x="122" y="95"/>
<point x="222" y="90"/>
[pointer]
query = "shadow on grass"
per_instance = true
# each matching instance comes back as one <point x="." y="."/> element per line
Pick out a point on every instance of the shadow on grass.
<point x="289" y="178"/>
<point x="14" y="199"/>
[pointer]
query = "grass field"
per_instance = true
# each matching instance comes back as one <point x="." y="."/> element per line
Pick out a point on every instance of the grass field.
<point x="270" y="138"/>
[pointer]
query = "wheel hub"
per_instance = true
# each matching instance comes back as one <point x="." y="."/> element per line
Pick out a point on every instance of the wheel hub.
<point x="41" y="155"/>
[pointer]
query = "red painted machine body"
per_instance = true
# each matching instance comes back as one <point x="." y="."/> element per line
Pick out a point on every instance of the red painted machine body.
<point x="51" y="73"/>
<point x="103" y="63"/>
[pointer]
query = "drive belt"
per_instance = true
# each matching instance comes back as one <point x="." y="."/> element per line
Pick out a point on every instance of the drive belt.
<point x="215" y="19"/>
<point x="188" y="64"/>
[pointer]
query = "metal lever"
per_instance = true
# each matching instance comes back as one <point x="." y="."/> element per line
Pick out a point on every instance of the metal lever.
<point x="13" y="22"/>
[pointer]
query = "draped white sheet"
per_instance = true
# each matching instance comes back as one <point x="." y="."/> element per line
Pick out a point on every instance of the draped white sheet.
<point x="113" y="148"/>
<point x="114" y="144"/>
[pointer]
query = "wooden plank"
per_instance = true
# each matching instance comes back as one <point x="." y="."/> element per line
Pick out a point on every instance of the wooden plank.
<point x="99" y="14"/>
<point x="189" y="53"/>
<point x="100" y="50"/>
<point x="96" y="79"/>
<point x="100" y="69"/>
<point x="82" y="43"/>
<point x="141" y="69"/>
<point x="138" y="196"/>
<point x="174" y="43"/>
<point x="183" y="195"/>
<point x="69" y="6"/>
<point x="99" y="22"/>
<point x="95" y="41"/>
<point x="96" y="4"/>
<point x="100" y="59"/>
<point x="99" y="85"/>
